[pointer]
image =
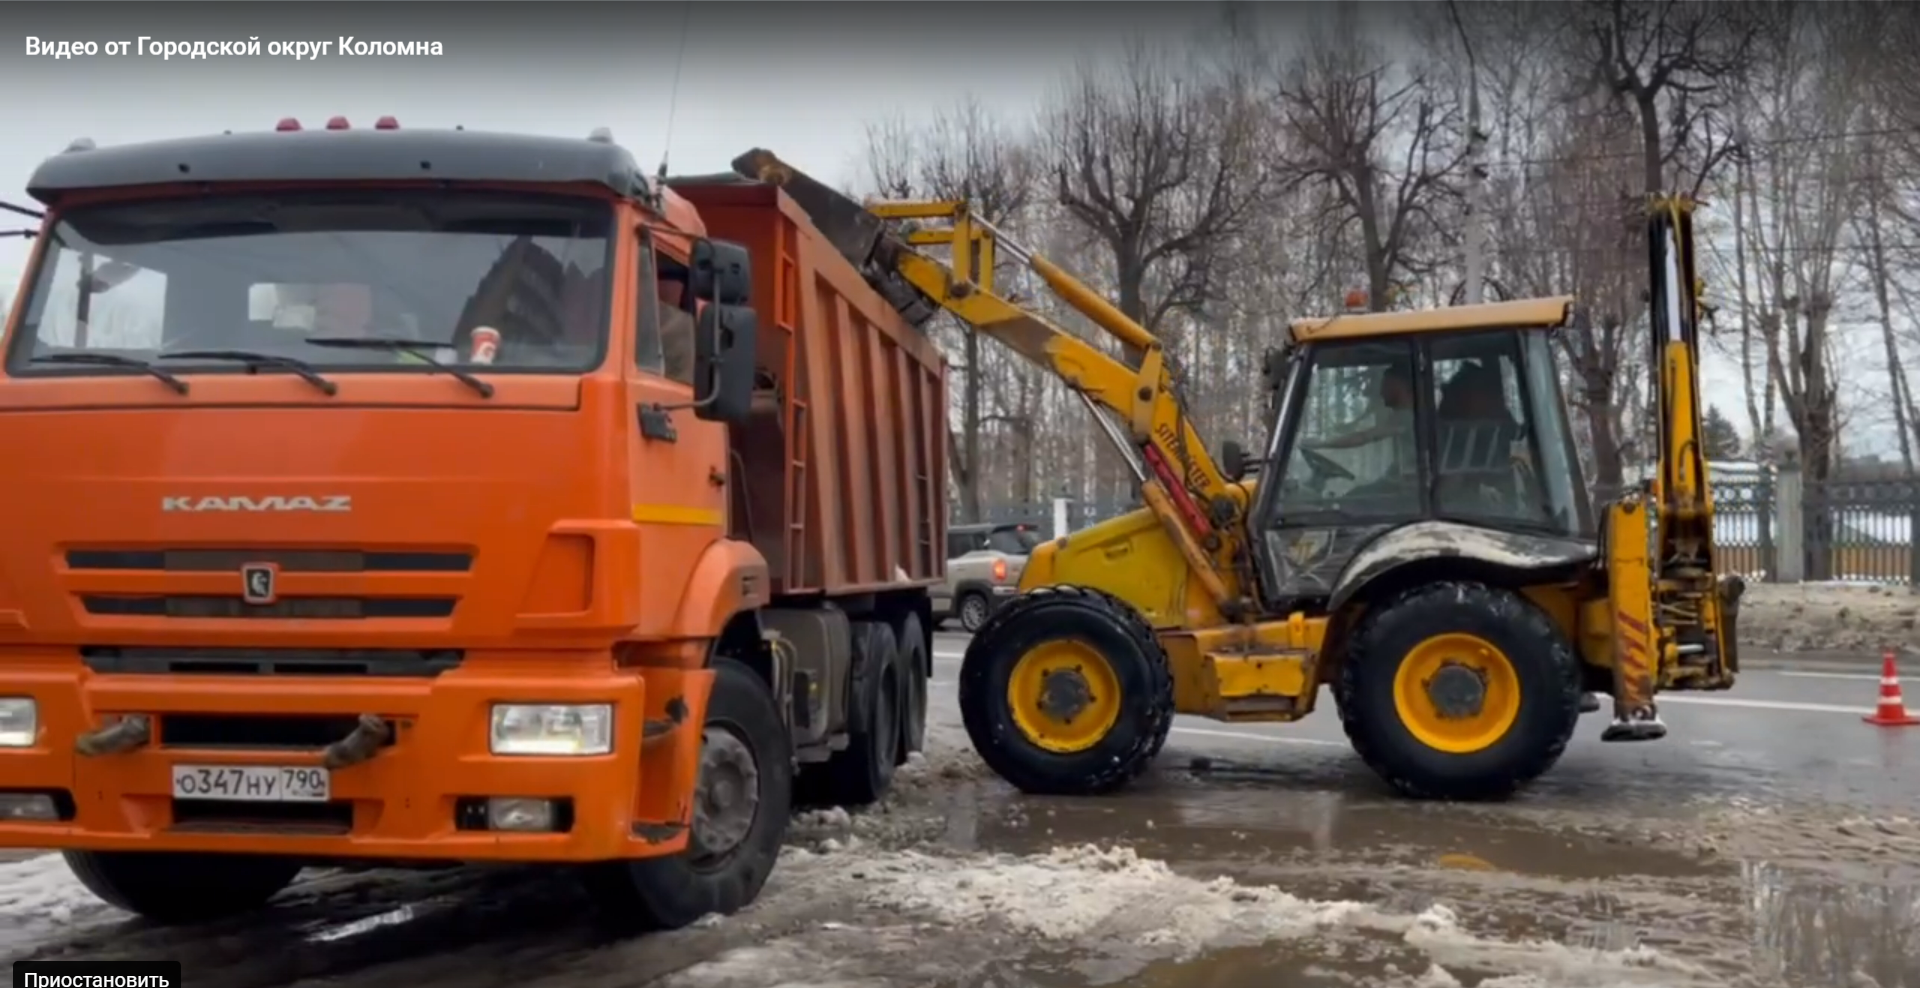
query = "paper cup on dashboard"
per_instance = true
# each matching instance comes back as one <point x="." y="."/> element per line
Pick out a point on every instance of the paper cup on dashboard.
<point x="486" y="345"/>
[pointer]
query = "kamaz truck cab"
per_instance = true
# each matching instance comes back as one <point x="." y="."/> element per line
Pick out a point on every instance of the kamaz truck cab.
<point x="404" y="496"/>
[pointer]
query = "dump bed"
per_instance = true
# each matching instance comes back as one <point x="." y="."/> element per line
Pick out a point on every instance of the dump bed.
<point x="840" y="476"/>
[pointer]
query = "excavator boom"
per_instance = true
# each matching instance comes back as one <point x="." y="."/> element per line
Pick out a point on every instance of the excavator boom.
<point x="1673" y="613"/>
<point x="1178" y="480"/>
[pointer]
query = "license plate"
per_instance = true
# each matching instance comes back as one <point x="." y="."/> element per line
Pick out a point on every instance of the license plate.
<point x="253" y="783"/>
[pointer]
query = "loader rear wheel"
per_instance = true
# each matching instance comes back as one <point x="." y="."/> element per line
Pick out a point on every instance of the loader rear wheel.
<point x="1459" y="691"/>
<point x="741" y="805"/>
<point x="177" y="887"/>
<point x="1066" y="691"/>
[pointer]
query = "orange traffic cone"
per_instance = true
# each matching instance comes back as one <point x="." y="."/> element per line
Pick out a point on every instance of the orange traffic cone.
<point x="1892" y="711"/>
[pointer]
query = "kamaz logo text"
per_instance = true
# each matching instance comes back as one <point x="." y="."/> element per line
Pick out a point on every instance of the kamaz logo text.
<point x="330" y="502"/>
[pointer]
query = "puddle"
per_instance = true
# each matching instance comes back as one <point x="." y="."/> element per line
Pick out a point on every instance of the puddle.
<point x="1201" y="823"/>
<point x="1809" y="929"/>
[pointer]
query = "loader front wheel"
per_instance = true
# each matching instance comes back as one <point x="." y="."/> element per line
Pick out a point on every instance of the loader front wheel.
<point x="1459" y="691"/>
<point x="1065" y="691"/>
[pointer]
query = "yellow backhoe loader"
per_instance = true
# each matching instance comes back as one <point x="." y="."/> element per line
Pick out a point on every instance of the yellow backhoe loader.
<point x="1414" y="533"/>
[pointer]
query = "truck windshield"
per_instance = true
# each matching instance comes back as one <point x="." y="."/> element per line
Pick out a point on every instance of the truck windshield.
<point x="264" y="272"/>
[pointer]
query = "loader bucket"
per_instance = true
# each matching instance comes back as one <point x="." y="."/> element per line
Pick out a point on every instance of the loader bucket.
<point x="853" y="231"/>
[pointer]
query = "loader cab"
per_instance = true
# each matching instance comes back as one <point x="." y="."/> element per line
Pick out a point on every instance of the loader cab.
<point x="1373" y="432"/>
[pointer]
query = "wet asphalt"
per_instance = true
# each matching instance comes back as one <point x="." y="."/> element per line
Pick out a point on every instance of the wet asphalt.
<point x="1772" y="838"/>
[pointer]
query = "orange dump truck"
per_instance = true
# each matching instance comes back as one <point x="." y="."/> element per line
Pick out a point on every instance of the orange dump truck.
<point x="399" y="497"/>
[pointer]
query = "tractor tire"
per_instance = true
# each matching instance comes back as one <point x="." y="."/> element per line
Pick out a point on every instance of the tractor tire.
<point x="727" y="860"/>
<point x="1407" y="686"/>
<point x="171" y="888"/>
<point x="915" y="668"/>
<point x="974" y="609"/>
<point x="862" y="772"/>
<point x="1064" y="647"/>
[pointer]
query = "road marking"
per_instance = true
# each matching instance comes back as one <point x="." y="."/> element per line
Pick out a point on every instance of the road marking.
<point x="1726" y="701"/>
<point x="1832" y="675"/>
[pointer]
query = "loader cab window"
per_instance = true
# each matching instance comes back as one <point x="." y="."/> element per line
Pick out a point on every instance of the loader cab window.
<point x="1501" y="454"/>
<point x="1353" y="452"/>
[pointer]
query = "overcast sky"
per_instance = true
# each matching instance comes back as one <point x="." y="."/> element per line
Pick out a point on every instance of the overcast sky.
<point x="801" y="78"/>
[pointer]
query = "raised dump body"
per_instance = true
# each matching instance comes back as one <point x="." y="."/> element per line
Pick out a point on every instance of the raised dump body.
<point x="845" y="488"/>
<point x="403" y="495"/>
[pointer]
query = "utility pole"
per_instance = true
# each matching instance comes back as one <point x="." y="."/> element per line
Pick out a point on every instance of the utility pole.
<point x="1476" y="171"/>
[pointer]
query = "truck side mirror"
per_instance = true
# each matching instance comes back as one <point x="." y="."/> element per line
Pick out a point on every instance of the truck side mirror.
<point x="723" y="353"/>
<point x="720" y="271"/>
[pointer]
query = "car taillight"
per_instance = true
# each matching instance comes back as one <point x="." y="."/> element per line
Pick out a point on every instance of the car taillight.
<point x="999" y="571"/>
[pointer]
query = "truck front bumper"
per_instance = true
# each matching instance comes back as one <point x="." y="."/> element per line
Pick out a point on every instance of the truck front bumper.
<point x="414" y="799"/>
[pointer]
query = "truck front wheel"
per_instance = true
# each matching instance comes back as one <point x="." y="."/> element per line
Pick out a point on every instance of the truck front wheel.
<point x="178" y="887"/>
<point x="740" y="810"/>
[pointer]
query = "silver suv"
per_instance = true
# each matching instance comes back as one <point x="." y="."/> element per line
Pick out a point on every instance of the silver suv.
<point x="983" y="570"/>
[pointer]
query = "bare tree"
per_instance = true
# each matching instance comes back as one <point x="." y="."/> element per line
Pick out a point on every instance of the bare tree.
<point x="1380" y="138"/>
<point x="962" y="153"/>
<point x="1160" y="167"/>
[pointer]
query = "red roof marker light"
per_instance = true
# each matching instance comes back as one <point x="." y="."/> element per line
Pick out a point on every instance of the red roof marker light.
<point x="339" y="123"/>
<point x="386" y="123"/>
<point x="287" y="123"/>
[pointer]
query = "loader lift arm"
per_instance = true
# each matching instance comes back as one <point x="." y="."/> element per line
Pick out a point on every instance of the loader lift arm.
<point x="1179" y="481"/>
<point x="1673" y="613"/>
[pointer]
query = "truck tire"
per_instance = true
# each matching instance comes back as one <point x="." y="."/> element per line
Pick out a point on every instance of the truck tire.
<point x="178" y="887"/>
<point x="862" y="772"/>
<point x="1459" y="691"/>
<point x="1066" y="691"/>
<point x="740" y="815"/>
<point x="973" y="608"/>
<point x="915" y="666"/>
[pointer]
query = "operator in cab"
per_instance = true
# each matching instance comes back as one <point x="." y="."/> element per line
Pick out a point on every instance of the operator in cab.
<point x="1392" y="421"/>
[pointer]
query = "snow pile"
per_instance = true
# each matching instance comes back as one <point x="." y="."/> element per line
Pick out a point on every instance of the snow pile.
<point x="1814" y="617"/>
<point x="1542" y="964"/>
<point x="1127" y="911"/>
<point x="40" y="897"/>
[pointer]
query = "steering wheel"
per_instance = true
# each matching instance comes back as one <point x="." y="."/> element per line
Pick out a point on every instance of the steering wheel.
<point x="1324" y="467"/>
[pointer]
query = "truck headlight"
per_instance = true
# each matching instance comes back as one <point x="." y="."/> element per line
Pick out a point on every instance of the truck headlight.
<point x="551" y="729"/>
<point x="19" y="721"/>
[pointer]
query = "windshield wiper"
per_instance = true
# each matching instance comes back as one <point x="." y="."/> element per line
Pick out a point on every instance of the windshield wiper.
<point x="113" y="360"/>
<point x="423" y="351"/>
<point x="255" y="361"/>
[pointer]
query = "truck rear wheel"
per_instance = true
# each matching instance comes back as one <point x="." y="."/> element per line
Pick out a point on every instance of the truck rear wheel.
<point x="1066" y="691"/>
<point x="1459" y="691"/>
<point x="862" y="772"/>
<point x="914" y="670"/>
<point x="177" y="887"/>
<point x="740" y="810"/>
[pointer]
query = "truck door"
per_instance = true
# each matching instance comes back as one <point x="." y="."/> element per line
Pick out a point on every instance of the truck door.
<point x="677" y="463"/>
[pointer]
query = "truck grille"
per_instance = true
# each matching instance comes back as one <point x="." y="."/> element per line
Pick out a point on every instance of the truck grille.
<point x="254" y="731"/>
<point x="289" y="560"/>
<point x="337" y="608"/>
<point x="188" y="661"/>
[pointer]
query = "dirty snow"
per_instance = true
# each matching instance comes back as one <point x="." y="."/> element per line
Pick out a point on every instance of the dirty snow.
<point x="1115" y="912"/>
<point x="1818" y="617"/>
<point x="39" y="897"/>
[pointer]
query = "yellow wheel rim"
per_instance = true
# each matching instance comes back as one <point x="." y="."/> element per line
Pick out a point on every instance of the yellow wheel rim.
<point x="1064" y="696"/>
<point x="1457" y="693"/>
